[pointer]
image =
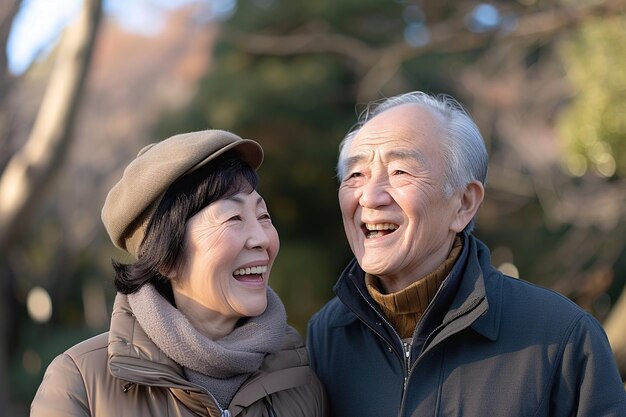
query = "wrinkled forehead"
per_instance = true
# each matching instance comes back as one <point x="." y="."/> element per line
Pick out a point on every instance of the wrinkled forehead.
<point x="386" y="155"/>
<point x="390" y="143"/>
<point x="407" y="126"/>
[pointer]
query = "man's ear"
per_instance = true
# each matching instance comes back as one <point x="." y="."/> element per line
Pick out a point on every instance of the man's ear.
<point x="470" y="201"/>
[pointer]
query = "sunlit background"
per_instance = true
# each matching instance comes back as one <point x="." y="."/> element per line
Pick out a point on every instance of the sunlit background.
<point x="545" y="80"/>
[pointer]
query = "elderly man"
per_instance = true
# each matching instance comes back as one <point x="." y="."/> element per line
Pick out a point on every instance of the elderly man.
<point x="422" y="324"/>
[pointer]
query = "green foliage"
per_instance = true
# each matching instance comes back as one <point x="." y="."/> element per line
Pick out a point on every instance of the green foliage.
<point x="296" y="276"/>
<point x="594" y="128"/>
<point x="371" y="21"/>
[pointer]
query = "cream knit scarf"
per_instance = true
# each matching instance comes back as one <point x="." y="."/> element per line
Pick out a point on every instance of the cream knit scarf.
<point x="219" y="366"/>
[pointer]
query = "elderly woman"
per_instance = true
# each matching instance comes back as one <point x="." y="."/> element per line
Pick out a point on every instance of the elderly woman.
<point x="195" y="329"/>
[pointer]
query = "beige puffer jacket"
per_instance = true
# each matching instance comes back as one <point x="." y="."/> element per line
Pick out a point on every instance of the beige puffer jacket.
<point x="122" y="373"/>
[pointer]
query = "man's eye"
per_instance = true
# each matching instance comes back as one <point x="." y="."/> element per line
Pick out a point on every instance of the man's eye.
<point x="265" y="216"/>
<point x="234" y="218"/>
<point x="399" y="172"/>
<point x="354" y="175"/>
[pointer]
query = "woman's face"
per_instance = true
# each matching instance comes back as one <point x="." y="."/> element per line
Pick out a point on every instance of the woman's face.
<point x="229" y="249"/>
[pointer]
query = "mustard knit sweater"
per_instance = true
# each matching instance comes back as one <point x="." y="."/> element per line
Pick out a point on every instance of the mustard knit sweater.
<point x="405" y="307"/>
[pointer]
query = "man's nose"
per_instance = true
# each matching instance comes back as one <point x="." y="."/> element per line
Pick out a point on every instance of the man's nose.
<point x="374" y="193"/>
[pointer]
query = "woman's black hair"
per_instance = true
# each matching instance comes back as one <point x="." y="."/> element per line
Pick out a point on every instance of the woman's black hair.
<point x="162" y="245"/>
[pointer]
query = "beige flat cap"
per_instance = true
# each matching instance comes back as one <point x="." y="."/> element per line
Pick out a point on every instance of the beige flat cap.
<point x="132" y="201"/>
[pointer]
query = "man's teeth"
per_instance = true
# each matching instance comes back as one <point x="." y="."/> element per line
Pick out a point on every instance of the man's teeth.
<point x="379" y="229"/>
<point x="381" y="226"/>
<point x="253" y="270"/>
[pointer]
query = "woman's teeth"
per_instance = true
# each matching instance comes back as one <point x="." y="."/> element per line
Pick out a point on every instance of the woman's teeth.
<point x="252" y="270"/>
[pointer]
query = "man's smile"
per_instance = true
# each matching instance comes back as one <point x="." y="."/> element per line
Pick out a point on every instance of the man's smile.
<point x="373" y="230"/>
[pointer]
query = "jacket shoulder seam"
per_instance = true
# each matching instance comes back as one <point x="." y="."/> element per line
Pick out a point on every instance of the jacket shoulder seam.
<point x="82" y="378"/>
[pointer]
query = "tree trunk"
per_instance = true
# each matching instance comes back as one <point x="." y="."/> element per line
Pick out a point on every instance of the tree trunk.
<point x="31" y="168"/>
<point x="8" y="10"/>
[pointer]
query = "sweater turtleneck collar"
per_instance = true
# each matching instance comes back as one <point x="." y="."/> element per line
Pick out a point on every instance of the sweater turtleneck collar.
<point x="404" y="308"/>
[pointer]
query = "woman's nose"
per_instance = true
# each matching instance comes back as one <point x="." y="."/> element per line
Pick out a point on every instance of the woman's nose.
<point x="257" y="236"/>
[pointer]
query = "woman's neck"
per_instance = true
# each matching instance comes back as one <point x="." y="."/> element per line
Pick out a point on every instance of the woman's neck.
<point x="208" y="322"/>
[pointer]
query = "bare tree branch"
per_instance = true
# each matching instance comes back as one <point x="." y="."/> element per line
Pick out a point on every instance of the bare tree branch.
<point x="8" y="10"/>
<point x="380" y="64"/>
<point x="31" y="168"/>
<point x="302" y="43"/>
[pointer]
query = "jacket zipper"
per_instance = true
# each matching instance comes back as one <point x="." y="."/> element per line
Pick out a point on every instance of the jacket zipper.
<point x="407" y="366"/>
<point x="405" y="358"/>
<point x="407" y="347"/>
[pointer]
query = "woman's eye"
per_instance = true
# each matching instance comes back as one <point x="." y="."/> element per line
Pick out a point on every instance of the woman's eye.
<point x="234" y="218"/>
<point x="354" y="175"/>
<point x="399" y="172"/>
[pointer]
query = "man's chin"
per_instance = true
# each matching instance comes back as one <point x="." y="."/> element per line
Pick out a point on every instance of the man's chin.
<point x="373" y="266"/>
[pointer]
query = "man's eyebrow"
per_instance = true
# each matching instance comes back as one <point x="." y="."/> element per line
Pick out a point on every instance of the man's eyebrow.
<point x="413" y="154"/>
<point x="351" y="161"/>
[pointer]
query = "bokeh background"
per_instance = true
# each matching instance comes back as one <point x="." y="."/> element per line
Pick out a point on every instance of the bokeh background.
<point x="84" y="84"/>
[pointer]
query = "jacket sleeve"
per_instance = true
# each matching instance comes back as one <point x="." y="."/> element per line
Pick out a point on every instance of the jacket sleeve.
<point x="322" y="404"/>
<point x="588" y="383"/>
<point x="312" y="343"/>
<point x="313" y="349"/>
<point x="62" y="391"/>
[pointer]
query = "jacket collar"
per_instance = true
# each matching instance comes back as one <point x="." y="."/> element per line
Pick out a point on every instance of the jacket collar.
<point x="135" y="358"/>
<point x="475" y="301"/>
<point x="489" y="281"/>
<point x="130" y="350"/>
<point x="469" y="297"/>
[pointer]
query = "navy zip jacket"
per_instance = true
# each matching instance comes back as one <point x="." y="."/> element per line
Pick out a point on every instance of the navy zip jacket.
<point x="487" y="345"/>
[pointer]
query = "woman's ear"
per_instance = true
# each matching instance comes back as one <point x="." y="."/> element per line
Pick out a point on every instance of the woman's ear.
<point x="470" y="201"/>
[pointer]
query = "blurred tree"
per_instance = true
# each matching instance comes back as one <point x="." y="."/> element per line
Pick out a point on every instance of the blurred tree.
<point x="27" y="172"/>
<point x="549" y="105"/>
<point x="593" y="130"/>
<point x="8" y="10"/>
<point x="29" y="169"/>
<point x="593" y="127"/>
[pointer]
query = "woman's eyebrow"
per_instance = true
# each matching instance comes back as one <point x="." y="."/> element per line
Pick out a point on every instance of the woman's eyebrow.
<point x="235" y="199"/>
<point x="239" y="200"/>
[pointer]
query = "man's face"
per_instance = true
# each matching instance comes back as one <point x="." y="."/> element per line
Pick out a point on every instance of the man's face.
<point x="398" y="222"/>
